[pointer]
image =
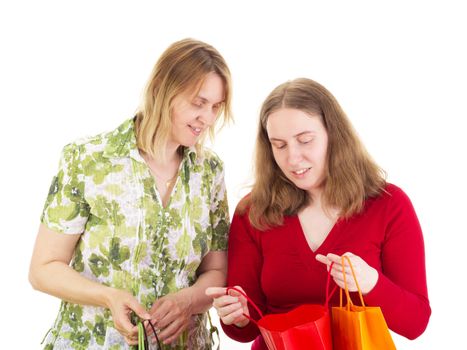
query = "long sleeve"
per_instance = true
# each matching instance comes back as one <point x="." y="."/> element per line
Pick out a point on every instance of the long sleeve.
<point x="245" y="265"/>
<point x="401" y="290"/>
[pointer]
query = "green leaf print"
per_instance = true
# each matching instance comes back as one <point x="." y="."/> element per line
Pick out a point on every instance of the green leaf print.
<point x="122" y="280"/>
<point x="114" y="189"/>
<point x="199" y="243"/>
<point x="79" y="340"/>
<point x="55" y="185"/>
<point x="78" y="263"/>
<point x="197" y="209"/>
<point x="99" y="329"/>
<point x="63" y="212"/>
<point x="107" y="210"/>
<point x="97" y="166"/>
<point x="99" y="265"/>
<point x="183" y="245"/>
<point x="73" y="315"/>
<point x="74" y="191"/>
<point x="117" y="254"/>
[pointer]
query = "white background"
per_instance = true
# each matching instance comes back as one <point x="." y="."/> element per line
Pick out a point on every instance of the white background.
<point x="74" y="68"/>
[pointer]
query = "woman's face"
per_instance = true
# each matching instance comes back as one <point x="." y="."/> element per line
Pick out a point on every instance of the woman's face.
<point x="299" y="143"/>
<point x="193" y="114"/>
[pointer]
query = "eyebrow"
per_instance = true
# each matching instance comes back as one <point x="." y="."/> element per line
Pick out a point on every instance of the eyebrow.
<point x="204" y="99"/>
<point x="297" y="135"/>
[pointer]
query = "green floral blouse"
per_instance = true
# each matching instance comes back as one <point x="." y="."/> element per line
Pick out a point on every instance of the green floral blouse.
<point x="105" y="191"/>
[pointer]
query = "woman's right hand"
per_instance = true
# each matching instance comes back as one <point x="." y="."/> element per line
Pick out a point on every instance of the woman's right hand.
<point x="231" y="308"/>
<point x="121" y="303"/>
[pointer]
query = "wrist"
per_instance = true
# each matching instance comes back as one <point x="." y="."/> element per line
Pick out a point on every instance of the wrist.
<point x="108" y="295"/>
<point x="188" y="296"/>
<point x="374" y="280"/>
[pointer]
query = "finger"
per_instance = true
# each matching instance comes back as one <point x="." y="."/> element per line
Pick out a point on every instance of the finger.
<point x="234" y="317"/>
<point x="149" y="329"/>
<point x="175" y="335"/>
<point x="170" y="330"/>
<point x="161" y="312"/>
<point x="215" y="292"/>
<point x="125" y="327"/>
<point x="322" y="259"/>
<point x="334" y="258"/>
<point x="224" y="301"/>
<point x="236" y="293"/>
<point x="339" y="274"/>
<point x="131" y="340"/>
<point x="167" y="319"/>
<point x="227" y="310"/>
<point x="138" y="309"/>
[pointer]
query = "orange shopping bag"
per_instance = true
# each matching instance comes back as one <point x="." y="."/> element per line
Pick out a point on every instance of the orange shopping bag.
<point x="359" y="327"/>
<point x="306" y="327"/>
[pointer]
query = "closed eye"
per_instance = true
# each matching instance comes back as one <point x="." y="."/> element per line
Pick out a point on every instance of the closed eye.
<point x="306" y="140"/>
<point x="278" y="145"/>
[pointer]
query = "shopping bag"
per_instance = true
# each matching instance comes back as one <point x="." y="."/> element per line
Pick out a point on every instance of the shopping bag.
<point x="143" y="343"/>
<point x="358" y="327"/>
<point x="305" y="327"/>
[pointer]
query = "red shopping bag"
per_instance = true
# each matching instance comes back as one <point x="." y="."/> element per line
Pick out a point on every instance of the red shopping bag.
<point x="305" y="327"/>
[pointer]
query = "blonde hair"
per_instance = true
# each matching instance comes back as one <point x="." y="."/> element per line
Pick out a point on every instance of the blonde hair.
<point x="181" y="68"/>
<point x="351" y="175"/>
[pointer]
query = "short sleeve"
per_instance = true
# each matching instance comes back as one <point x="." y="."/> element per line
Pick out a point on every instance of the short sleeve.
<point x="219" y="210"/>
<point x="65" y="209"/>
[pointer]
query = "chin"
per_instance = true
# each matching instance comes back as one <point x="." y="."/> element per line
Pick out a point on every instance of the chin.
<point x="190" y="143"/>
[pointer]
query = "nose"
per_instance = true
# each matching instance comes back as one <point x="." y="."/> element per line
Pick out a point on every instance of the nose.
<point x="294" y="156"/>
<point x="207" y="116"/>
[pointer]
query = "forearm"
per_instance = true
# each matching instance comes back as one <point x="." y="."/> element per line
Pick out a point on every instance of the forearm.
<point x="200" y="302"/>
<point x="60" y="280"/>
<point x="406" y="313"/>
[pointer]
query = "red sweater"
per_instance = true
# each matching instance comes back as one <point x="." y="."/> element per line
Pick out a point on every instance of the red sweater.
<point x="278" y="270"/>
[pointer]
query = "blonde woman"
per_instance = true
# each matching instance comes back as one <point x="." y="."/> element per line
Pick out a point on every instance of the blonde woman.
<point x="135" y="224"/>
<point x="317" y="196"/>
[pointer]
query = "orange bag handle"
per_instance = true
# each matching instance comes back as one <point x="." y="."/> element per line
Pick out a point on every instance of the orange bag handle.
<point x="328" y="297"/>
<point x="349" y="300"/>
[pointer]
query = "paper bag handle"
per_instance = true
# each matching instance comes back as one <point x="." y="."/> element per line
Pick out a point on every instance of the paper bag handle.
<point x="346" y="288"/>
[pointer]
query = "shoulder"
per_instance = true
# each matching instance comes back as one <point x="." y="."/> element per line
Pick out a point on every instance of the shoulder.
<point x="243" y="207"/>
<point x="392" y="199"/>
<point x="105" y="142"/>
<point x="394" y="193"/>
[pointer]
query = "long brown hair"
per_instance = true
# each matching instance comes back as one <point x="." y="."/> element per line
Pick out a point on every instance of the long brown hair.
<point x="182" y="67"/>
<point x="351" y="175"/>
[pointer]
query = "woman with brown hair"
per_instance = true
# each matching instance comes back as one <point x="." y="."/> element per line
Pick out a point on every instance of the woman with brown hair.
<point x="318" y="195"/>
<point x="135" y="224"/>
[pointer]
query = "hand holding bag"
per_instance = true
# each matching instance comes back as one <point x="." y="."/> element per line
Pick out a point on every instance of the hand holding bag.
<point x="359" y="327"/>
<point x="305" y="327"/>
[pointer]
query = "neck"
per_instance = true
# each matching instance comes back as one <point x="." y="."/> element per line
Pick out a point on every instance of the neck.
<point x="171" y="156"/>
<point x="315" y="195"/>
<point x="317" y="204"/>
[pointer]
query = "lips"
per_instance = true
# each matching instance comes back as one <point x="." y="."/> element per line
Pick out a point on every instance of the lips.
<point x="300" y="172"/>
<point x="195" y="130"/>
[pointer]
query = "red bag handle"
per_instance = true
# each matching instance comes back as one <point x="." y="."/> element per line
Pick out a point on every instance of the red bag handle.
<point x="249" y="300"/>
<point x="328" y="296"/>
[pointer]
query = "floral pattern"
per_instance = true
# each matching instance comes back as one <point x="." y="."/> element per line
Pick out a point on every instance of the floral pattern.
<point x="105" y="191"/>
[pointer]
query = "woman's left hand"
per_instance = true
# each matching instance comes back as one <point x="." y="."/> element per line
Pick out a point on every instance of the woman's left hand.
<point x="366" y="275"/>
<point x="171" y="314"/>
